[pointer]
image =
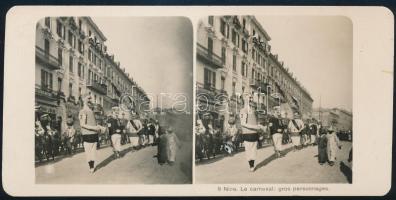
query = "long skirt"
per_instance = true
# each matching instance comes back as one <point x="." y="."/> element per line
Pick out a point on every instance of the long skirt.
<point x="90" y="150"/>
<point x="296" y="140"/>
<point x="313" y="139"/>
<point x="134" y="141"/>
<point x="331" y="152"/>
<point x="116" y="141"/>
<point x="322" y="154"/>
<point x="162" y="154"/>
<point x="150" y="139"/>
<point x="250" y="150"/>
<point x="277" y="139"/>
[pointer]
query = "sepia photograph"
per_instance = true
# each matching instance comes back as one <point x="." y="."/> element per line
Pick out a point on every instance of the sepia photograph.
<point x="113" y="100"/>
<point x="198" y="101"/>
<point x="273" y="99"/>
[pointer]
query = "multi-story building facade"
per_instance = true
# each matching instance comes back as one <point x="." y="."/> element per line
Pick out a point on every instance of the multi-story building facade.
<point x="340" y="119"/>
<point x="235" y="65"/>
<point x="71" y="60"/>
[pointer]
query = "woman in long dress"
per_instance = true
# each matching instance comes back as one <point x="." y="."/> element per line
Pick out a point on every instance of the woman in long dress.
<point x="333" y="144"/>
<point x="173" y="144"/>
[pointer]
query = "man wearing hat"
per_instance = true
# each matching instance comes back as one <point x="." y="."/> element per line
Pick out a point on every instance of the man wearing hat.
<point x="332" y="145"/>
<point x="295" y="127"/>
<point x="89" y="131"/>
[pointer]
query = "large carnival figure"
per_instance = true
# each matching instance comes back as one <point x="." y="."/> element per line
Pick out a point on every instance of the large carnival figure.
<point x="249" y="134"/>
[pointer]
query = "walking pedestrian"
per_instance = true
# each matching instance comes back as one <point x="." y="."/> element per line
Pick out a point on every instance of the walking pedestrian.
<point x="295" y="127"/>
<point x="69" y="137"/>
<point x="313" y="129"/>
<point x="89" y="130"/>
<point x="151" y="132"/>
<point x="250" y="137"/>
<point x="122" y="125"/>
<point x="173" y="144"/>
<point x="333" y="144"/>
<point x="276" y="131"/>
<point x="231" y="132"/>
<point x="115" y="131"/>
<point x="134" y="126"/>
<point x="322" y="147"/>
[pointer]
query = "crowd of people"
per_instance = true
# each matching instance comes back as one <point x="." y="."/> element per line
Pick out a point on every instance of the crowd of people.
<point x="136" y="133"/>
<point x="274" y="129"/>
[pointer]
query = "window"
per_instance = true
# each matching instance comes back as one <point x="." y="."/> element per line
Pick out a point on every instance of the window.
<point x="244" y="46"/>
<point x="79" y="70"/>
<point x="47" y="22"/>
<point x="46" y="80"/>
<point x="80" y="47"/>
<point x="234" y="63"/>
<point x="223" y="27"/>
<point x="243" y="68"/>
<point x="244" y="23"/>
<point x="46" y="47"/>
<point x="59" y="84"/>
<point x="70" y="89"/>
<point x="223" y="55"/>
<point x="80" y="24"/>
<point x="79" y="91"/>
<point x="70" y="38"/>
<point x="210" y="20"/>
<point x="71" y="64"/>
<point x="89" y="55"/>
<point x="233" y="36"/>
<point x="254" y="32"/>
<point x="253" y="53"/>
<point x="222" y="82"/>
<point x="209" y="78"/>
<point x="60" y="56"/>
<point x="59" y="29"/>
<point x="233" y="87"/>
<point x="210" y="46"/>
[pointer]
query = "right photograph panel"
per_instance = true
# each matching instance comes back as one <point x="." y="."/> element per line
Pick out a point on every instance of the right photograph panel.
<point x="273" y="99"/>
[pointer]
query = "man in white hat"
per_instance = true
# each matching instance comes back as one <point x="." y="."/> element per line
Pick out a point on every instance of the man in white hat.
<point x="295" y="127"/>
<point x="89" y="131"/>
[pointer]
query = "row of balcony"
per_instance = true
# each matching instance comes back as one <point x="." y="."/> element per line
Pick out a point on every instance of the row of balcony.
<point x="49" y="60"/>
<point x="209" y="57"/>
<point x="96" y="86"/>
<point x="46" y="93"/>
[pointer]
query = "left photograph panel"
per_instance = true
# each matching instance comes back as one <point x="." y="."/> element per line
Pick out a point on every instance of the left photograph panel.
<point x="113" y="100"/>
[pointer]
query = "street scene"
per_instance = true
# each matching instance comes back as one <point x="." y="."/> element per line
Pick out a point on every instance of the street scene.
<point x="263" y="119"/>
<point x="98" y="121"/>
<point x="295" y="167"/>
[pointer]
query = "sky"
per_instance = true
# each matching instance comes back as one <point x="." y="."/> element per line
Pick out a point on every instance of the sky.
<point x="156" y="51"/>
<point x="318" y="51"/>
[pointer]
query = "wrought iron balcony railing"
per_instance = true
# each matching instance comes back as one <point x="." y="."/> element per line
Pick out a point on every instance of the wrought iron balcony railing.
<point x="98" y="87"/>
<point x="49" y="60"/>
<point x="209" y="57"/>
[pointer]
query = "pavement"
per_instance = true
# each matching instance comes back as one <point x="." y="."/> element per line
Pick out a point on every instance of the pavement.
<point x="295" y="167"/>
<point x="139" y="167"/>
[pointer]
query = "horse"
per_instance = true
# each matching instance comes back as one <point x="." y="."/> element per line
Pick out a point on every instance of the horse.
<point x="39" y="147"/>
<point x="48" y="146"/>
<point x="208" y="146"/>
